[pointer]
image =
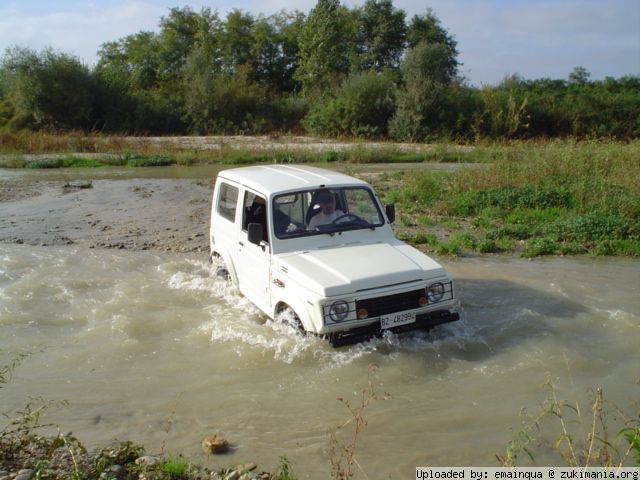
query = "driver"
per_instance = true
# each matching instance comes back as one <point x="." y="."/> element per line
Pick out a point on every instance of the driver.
<point x="328" y="212"/>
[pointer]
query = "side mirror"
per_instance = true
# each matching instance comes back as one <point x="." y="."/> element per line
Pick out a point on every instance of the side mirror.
<point x="255" y="233"/>
<point x="390" y="210"/>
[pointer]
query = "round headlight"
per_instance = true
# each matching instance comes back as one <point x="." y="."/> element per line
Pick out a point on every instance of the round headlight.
<point x="435" y="292"/>
<point x="339" y="310"/>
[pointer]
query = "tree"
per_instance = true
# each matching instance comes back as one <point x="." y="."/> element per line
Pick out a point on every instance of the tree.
<point x="362" y="107"/>
<point x="132" y="60"/>
<point x="421" y="100"/>
<point x="427" y="28"/>
<point x="48" y="89"/>
<point x="237" y="40"/>
<point x="181" y="31"/>
<point x="381" y="35"/>
<point x="274" y="50"/>
<point x="580" y="76"/>
<point x="324" y="46"/>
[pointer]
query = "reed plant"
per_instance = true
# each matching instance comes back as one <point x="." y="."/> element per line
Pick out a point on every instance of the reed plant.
<point x="580" y="436"/>
<point x="342" y="453"/>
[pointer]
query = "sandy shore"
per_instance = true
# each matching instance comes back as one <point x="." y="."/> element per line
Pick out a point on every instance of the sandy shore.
<point x="136" y="214"/>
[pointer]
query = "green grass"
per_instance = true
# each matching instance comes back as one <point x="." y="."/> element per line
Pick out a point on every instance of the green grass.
<point x="151" y="161"/>
<point x="67" y="162"/>
<point x="91" y="162"/>
<point x="544" y="198"/>
<point x="175" y="467"/>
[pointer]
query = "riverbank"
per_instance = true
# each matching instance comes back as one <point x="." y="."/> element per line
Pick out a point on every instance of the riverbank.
<point x="528" y="199"/>
<point x="135" y="214"/>
<point x="26" y="455"/>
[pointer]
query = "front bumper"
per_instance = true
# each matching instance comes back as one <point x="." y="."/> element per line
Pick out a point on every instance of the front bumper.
<point x="424" y="321"/>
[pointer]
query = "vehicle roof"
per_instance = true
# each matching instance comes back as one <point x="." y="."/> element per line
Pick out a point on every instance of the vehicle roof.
<point x="271" y="179"/>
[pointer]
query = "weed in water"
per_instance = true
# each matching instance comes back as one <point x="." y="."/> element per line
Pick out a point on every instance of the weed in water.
<point x="343" y="453"/>
<point x="284" y="470"/>
<point x="539" y="246"/>
<point x="581" y="441"/>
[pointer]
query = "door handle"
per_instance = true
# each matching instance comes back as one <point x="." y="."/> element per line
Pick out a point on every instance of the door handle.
<point x="241" y="244"/>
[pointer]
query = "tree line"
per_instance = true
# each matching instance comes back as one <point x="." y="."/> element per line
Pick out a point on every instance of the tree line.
<point x="367" y="71"/>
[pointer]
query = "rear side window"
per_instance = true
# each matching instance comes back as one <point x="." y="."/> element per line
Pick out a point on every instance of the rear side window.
<point x="227" y="201"/>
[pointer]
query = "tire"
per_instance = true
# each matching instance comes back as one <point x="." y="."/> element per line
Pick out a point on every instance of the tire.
<point x="288" y="316"/>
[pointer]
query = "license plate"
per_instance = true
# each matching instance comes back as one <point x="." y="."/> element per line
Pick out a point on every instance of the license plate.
<point x="395" y="319"/>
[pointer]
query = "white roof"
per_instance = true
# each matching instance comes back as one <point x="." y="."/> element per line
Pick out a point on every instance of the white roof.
<point x="272" y="179"/>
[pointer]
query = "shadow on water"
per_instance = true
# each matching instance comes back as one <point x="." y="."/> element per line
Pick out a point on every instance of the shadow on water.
<point x="496" y="316"/>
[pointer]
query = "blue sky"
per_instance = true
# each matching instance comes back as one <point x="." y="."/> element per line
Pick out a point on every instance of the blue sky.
<point x="535" y="39"/>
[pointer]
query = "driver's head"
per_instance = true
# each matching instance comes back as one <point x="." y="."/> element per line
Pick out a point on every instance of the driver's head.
<point x="327" y="201"/>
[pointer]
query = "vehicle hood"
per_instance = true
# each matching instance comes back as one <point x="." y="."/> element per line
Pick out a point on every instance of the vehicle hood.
<point x="347" y="269"/>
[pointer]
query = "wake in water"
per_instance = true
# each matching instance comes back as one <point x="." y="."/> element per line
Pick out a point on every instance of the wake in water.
<point x="235" y="320"/>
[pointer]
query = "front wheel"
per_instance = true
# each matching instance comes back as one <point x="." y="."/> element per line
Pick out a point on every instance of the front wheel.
<point x="288" y="316"/>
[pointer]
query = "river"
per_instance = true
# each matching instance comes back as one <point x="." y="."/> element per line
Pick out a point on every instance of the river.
<point x="150" y="346"/>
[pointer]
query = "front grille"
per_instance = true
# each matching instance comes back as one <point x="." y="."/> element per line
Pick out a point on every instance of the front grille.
<point x="400" y="301"/>
<point x="391" y="303"/>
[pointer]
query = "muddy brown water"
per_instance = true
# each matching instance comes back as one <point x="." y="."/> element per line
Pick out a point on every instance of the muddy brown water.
<point x="148" y="345"/>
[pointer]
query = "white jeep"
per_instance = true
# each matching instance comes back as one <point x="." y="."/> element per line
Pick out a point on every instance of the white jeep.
<point x="316" y="246"/>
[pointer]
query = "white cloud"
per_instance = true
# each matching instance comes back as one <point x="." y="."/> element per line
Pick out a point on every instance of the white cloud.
<point x="80" y="31"/>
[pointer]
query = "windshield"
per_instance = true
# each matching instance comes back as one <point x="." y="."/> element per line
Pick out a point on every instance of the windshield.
<point x="325" y="210"/>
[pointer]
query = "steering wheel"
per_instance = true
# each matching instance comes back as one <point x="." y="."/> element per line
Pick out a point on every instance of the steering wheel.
<point x="349" y="218"/>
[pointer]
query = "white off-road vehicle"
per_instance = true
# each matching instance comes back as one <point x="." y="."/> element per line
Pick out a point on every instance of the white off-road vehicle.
<point x="316" y="246"/>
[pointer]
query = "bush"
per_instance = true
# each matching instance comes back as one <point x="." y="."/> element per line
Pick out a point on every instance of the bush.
<point x="151" y="161"/>
<point x="593" y="226"/>
<point x="361" y="108"/>
<point x="509" y="198"/>
<point x="539" y="246"/>
<point x="44" y="163"/>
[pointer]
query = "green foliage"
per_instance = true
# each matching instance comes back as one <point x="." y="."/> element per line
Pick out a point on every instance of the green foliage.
<point x="594" y="226"/>
<point x="419" y="238"/>
<point x="44" y="163"/>
<point x="332" y="156"/>
<point x="422" y="188"/>
<point x="151" y="161"/>
<point x="7" y="369"/>
<point x="175" y="468"/>
<point x="361" y="107"/>
<point x="48" y="89"/>
<point x="220" y="102"/>
<point x="422" y="99"/>
<point x="284" y="470"/>
<point x="380" y="36"/>
<point x="539" y="246"/>
<point x="533" y="197"/>
<point x="451" y="249"/>
<point x="427" y="28"/>
<point x="632" y="435"/>
<point x="552" y="108"/>
<point x="579" y="440"/>
<point x="199" y="73"/>
<point x="275" y="51"/>
<point x="324" y="46"/>
<point x="67" y="162"/>
<point x="342" y="453"/>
